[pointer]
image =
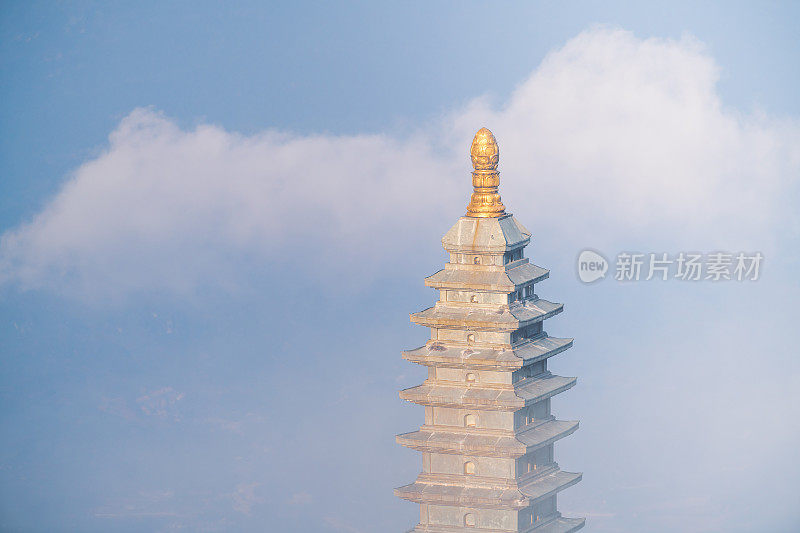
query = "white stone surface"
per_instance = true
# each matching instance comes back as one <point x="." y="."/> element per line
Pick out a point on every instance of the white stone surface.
<point x="488" y="436"/>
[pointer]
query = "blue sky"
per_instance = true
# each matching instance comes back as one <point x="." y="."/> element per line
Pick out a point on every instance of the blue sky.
<point x="215" y="222"/>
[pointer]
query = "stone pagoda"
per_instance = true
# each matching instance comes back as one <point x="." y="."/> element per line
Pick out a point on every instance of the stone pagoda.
<point x="487" y="442"/>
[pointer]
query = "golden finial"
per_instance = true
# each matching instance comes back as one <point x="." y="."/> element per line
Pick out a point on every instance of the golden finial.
<point x="485" y="201"/>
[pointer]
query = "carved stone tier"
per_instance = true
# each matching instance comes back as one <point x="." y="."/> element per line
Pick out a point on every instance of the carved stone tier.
<point x="509" y="318"/>
<point x="526" y="392"/>
<point x="506" y="280"/>
<point x="436" y="353"/>
<point x="520" y="497"/>
<point x="486" y="235"/>
<point x="449" y="440"/>
<point x="557" y="525"/>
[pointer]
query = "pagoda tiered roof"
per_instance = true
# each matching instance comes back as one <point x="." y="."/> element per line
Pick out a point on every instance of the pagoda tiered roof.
<point x="505" y="318"/>
<point x="527" y="493"/>
<point x="445" y="440"/>
<point x="524" y="393"/>
<point x="488" y="366"/>
<point x="438" y="353"/>
<point x="486" y="235"/>
<point x="559" y="525"/>
<point x="460" y="277"/>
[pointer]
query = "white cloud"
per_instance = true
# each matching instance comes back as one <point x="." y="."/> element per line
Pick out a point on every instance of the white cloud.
<point x="610" y="138"/>
<point x="615" y="136"/>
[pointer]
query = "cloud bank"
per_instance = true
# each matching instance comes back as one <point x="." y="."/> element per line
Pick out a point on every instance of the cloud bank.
<point x="610" y="140"/>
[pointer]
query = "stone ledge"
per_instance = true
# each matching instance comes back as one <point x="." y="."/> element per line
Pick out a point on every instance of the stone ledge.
<point x="486" y="280"/>
<point x="444" y="441"/>
<point x="527" y="392"/>
<point x="439" y="353"/>
<point x="476" y="318"/>
<point x="558" y="525"/>
<point x="536" y="490"/>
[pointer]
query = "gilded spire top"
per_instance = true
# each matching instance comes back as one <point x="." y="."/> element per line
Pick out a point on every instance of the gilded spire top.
<point x="484" y="151"/>
<point x="485" y="154"/>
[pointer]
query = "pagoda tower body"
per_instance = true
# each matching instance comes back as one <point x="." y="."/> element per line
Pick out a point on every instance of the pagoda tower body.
<point x="487" y="441"/>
